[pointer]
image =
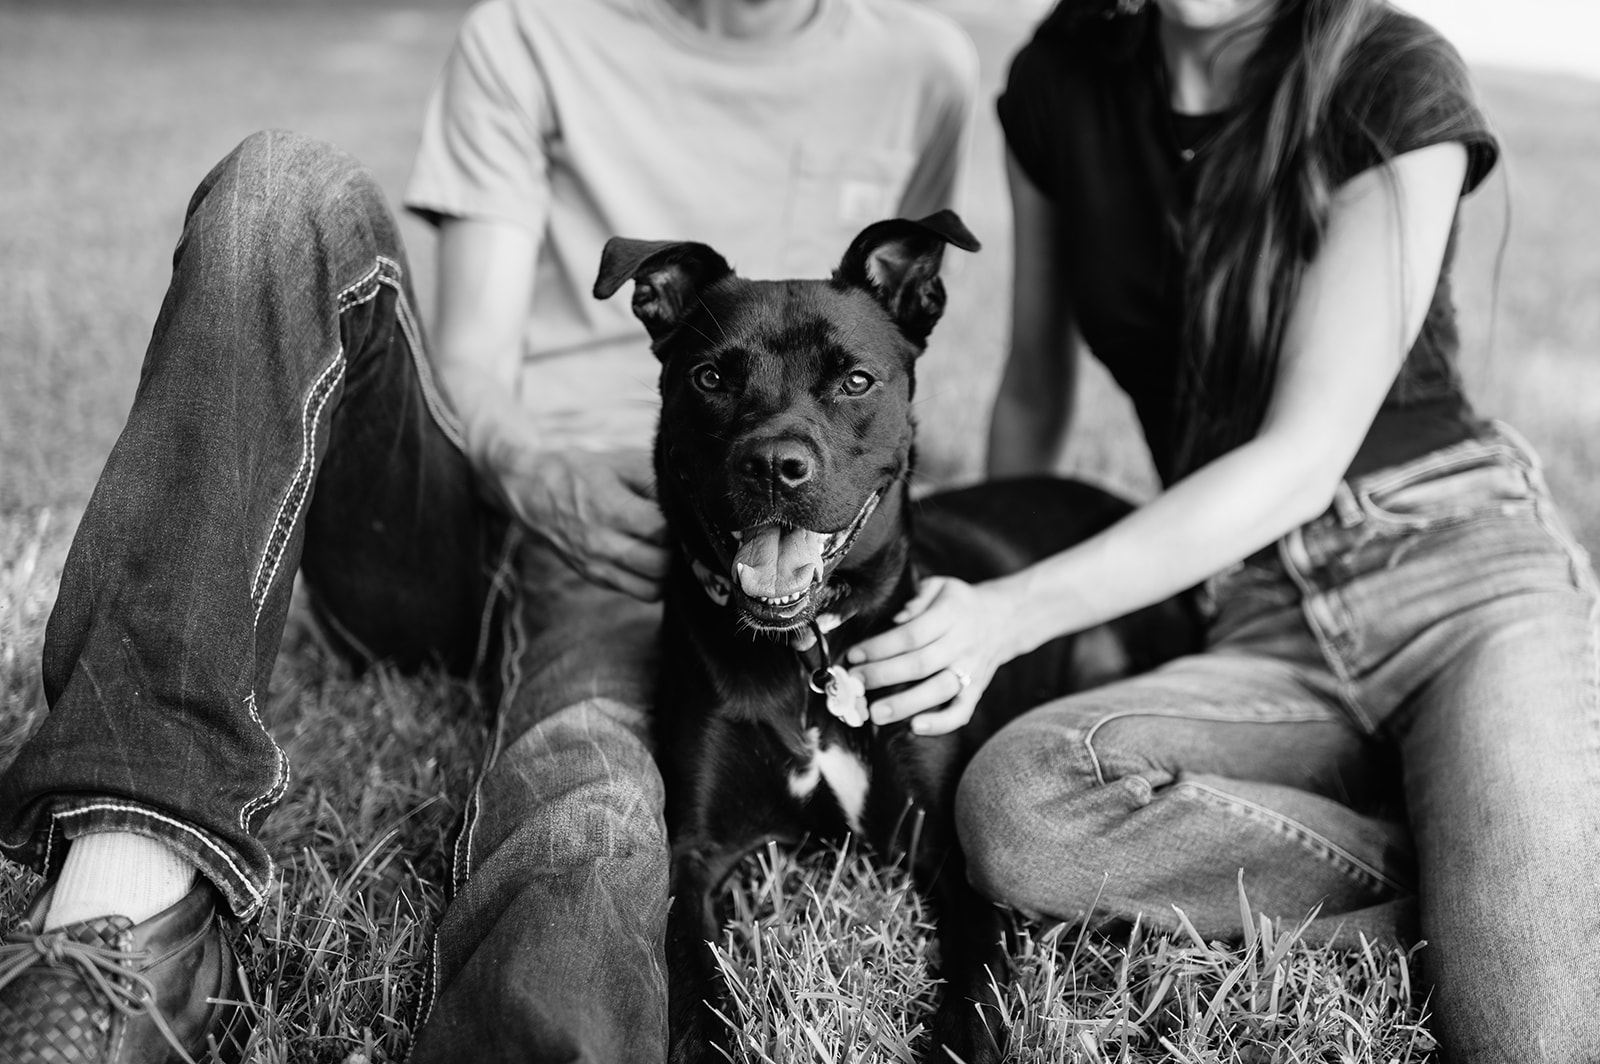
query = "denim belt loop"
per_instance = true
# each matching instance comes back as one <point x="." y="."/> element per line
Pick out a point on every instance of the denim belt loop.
<point x="1520" y="447"/>
<point x="1346" y="507"/>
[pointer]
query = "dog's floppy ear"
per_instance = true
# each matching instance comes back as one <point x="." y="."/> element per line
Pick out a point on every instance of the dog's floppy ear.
<point x="667" y="276"/>
<point x="898" y="261"/>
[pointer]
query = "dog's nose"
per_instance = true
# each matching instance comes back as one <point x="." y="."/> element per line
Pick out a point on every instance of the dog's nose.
<point x="783" y="464"/>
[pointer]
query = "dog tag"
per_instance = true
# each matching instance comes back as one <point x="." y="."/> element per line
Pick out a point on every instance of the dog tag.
<point x="846" y="696"/>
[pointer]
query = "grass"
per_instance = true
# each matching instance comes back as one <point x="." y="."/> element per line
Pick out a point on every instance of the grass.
<point x="117" y="110"/>
<point x="824" y="960"/>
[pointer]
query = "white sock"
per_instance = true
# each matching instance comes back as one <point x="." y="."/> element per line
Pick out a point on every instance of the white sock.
<point x="118" y="873"/>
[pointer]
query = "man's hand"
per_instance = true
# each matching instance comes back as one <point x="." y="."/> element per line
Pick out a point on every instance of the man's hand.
<point x="598" y="510"/>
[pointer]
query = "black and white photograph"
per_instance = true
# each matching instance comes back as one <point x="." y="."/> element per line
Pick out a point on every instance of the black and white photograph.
<point x="799" y="531"/>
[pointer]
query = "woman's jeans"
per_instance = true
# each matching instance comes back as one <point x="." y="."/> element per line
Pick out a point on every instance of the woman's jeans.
<point x="1401" y="698"/>
<point x="286" y="419"/>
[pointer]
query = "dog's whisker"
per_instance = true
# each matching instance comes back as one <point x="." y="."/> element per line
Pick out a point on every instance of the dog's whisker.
<point x="702" y="332"/>
<point x="924" y="395"/>
<point x="714" y="320"/>
<point x="849" y="340"/>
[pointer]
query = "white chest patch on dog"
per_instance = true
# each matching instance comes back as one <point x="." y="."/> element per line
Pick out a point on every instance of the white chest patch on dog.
<point x="804" y="780"/>
<point x="843" y="772"/>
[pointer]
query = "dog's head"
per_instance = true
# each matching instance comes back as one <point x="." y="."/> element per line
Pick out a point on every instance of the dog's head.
<point x="786" y="408"/>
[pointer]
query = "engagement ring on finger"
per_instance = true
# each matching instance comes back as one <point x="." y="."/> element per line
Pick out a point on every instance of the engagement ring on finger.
<point x="963" y="677"/>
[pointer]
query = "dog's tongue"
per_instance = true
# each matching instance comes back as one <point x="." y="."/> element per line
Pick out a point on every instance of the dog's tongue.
<point x="773" y="562"/>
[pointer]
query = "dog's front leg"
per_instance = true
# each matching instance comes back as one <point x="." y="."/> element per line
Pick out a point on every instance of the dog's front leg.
<point x="973" y="961"/>
<point x="697" y="873"/>
<point x="973" y="958"/>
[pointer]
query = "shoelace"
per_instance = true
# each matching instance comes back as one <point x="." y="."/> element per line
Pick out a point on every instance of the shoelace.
<point x="99" y="966"/>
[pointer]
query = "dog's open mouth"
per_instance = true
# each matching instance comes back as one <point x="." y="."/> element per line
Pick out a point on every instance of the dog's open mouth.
<point x="780" y="572"/>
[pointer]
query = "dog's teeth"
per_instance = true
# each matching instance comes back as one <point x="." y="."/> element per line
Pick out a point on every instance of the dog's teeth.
<point x="783" y="600"/>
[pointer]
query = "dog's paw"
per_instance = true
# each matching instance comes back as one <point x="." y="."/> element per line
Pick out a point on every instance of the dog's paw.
<point x="690" y="1049"/>
<point x="963" y="1031"/>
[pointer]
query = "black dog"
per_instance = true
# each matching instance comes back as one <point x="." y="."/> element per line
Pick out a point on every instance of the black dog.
<point x="782" y="464"/>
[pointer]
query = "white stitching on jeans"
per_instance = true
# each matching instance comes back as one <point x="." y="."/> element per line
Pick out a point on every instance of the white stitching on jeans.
<point x="510" y="679"/>
<point x="282" y="531"/>
<point x="297" y="494"/>
<point x="280" y="770"/>
<point x="299" y="489"/>
<point x="461" y="856"/>
<point x="1314" y="604"/>
<point x="425" y="1006"/>
<point x="1309" y="717"/>
<point x="348" y="290"/>
<point x="113" y="807"/>
<point x="497" y="585"/>
<point x="437" y="409"/>
<point x="49" y="843"/>
<point x="1299" y="830"/>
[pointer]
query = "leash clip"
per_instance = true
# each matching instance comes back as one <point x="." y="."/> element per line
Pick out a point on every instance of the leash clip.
<point x="821" y="676"/>
<point x="844" y="694"/>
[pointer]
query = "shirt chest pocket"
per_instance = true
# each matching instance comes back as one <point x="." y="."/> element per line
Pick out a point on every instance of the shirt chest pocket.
<point x="835" y="191"/>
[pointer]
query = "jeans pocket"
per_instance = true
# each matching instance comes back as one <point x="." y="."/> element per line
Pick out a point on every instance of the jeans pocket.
<point x="1441" y="491"/>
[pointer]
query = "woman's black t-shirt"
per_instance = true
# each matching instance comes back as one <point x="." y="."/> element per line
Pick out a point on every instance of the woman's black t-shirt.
<point x="1086" y="114"/>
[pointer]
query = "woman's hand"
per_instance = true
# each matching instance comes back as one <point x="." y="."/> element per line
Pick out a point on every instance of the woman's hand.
<point x="949" y="641"/>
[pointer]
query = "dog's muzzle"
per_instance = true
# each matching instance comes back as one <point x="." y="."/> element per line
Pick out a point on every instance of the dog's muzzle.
<point x="777" y="575"/>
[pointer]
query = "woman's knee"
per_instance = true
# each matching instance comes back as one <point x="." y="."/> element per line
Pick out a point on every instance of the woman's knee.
<point x="1014" y="813"/>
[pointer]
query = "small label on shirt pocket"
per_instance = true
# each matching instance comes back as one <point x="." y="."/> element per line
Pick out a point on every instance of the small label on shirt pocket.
<point x="836" y="191"/>
<point x="1434" y="497"/>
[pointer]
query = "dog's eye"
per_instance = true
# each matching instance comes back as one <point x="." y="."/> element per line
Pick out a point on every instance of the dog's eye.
<point x="857" y="382"/>
<point x="706" y="378"/>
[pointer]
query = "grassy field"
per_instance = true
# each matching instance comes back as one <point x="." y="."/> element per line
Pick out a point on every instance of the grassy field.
<point x="115" y="112"/>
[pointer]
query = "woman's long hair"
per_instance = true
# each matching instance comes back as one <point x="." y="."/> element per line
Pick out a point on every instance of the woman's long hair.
<point x="1263" y="189"/>
<point x="1261" y="205"/>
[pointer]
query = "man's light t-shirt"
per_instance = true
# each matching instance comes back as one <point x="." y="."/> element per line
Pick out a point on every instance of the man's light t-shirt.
<point x="584" y="119"/>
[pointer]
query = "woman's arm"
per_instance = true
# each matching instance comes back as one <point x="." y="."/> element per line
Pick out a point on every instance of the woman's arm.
<point x="1033" y="408"/>
<point x="596" y="509"/>
<point x="1361" y="305"/>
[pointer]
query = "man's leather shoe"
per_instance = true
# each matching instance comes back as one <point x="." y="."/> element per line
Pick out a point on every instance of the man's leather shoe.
<point x="109" y="990"/>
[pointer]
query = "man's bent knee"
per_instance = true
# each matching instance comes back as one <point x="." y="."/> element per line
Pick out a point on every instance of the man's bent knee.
<point x="281" y="188"/>
<point x="578" y="786"/>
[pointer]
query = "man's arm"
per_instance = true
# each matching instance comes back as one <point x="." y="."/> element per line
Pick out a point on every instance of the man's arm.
<point x="596" y="509"/>
<point x="485" y="271"/>
<point x="951" y="85"/>
<point x="482" y="176"/>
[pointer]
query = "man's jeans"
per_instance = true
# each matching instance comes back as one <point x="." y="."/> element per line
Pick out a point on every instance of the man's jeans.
<point x="1428" y="644"/>
<point x="286" y="418"/>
